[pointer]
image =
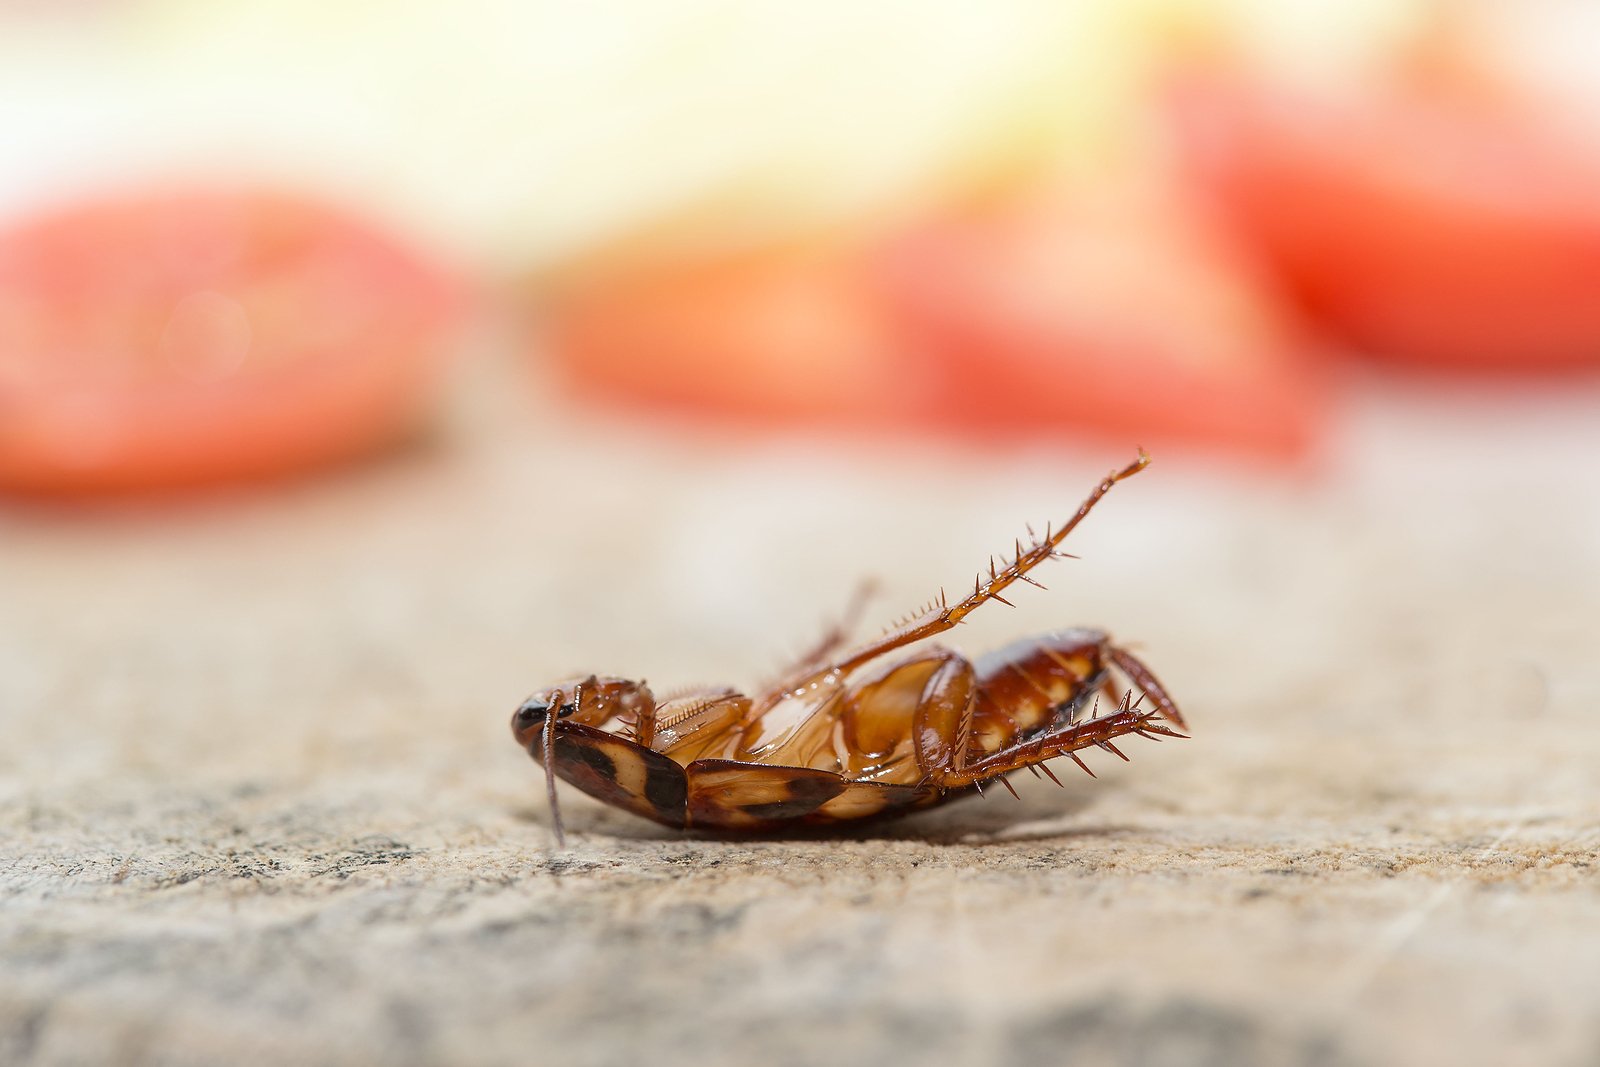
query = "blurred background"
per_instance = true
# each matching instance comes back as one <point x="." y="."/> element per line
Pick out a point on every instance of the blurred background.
<point x="241" y="241"/>
<point x="366" y="366"/>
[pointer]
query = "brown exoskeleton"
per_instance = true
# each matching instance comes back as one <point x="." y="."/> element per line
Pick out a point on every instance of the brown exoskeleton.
<point x="847" y="734"/>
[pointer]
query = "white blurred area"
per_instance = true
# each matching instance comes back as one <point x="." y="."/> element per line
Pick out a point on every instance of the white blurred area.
<point x="521" y="134"/>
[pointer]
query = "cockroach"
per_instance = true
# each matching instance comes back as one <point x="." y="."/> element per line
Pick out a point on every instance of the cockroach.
<point x="849" y="733"/>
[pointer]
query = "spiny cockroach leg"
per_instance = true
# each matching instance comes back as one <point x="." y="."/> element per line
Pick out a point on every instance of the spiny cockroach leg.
<point x="1045" y="767"/>
<point x="1096" y="732"/>
<point x="1010" y="788"/>
<point x="839" y="632"/>
<point x="1149" y="728"/>
<point x="1148" y="683"/>
<point x="1113" y="749"/>
<point x="999" y="578"/>
<point x="644" y="725"/>
<point x="963" y="738"/>
<point x="833" y="638"/>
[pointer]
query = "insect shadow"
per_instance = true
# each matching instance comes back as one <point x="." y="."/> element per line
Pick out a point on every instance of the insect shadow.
<point x="994" y="818"/>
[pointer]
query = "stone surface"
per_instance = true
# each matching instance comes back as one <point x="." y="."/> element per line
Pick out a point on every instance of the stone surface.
<point x="258" y="801"/>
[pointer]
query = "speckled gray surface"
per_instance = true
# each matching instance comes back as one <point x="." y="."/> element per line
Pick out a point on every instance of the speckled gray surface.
<point x="258" y="802"/>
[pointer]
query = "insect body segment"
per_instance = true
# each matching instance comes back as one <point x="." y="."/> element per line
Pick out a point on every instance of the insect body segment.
<point x="853" y="734"/>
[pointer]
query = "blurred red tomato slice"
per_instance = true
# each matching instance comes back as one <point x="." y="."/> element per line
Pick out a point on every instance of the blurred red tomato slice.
<point x="1115" y="315"/>
<point x="187" y="337"/>
<point x="785" y="334"/>
<point x="1424" y="223"/>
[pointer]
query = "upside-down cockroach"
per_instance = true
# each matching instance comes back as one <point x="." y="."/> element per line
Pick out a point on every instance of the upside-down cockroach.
<point x="847" y="734"/>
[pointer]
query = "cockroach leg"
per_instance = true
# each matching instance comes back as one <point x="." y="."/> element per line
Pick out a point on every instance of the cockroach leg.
<point x="644" y="725"/>
<point x="1148" y="683"/>
<point x="943" y="615"/>
<point x="1091" y="733"/>
<point x="1113" y="749"/>
<point x="836" y="635"/>
<point x="832" y="640"/>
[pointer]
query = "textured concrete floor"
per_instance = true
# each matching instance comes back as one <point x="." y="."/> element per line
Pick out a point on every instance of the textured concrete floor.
<point x="258" y="802"/>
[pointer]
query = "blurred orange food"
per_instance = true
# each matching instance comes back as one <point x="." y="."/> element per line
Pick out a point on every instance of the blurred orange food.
<point x="1045" y="315"/>
<point x="197" y="336"/>
<point x="1424" y="222"/>
<point x="1120" y="313"/>
<point x="783" y="333"/>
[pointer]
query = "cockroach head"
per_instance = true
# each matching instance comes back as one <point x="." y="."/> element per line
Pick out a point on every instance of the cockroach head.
<point x="530" y="716"/>
<point x="593" y="701"/>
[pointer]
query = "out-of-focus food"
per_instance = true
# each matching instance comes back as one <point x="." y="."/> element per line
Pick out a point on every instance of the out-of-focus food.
<point x="788" y="333"/>
<point x="1424" y="221"/>
<point x="1119" y="317"/>
<point x="194" y="336"/>
<point x="1122" y="315"/>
